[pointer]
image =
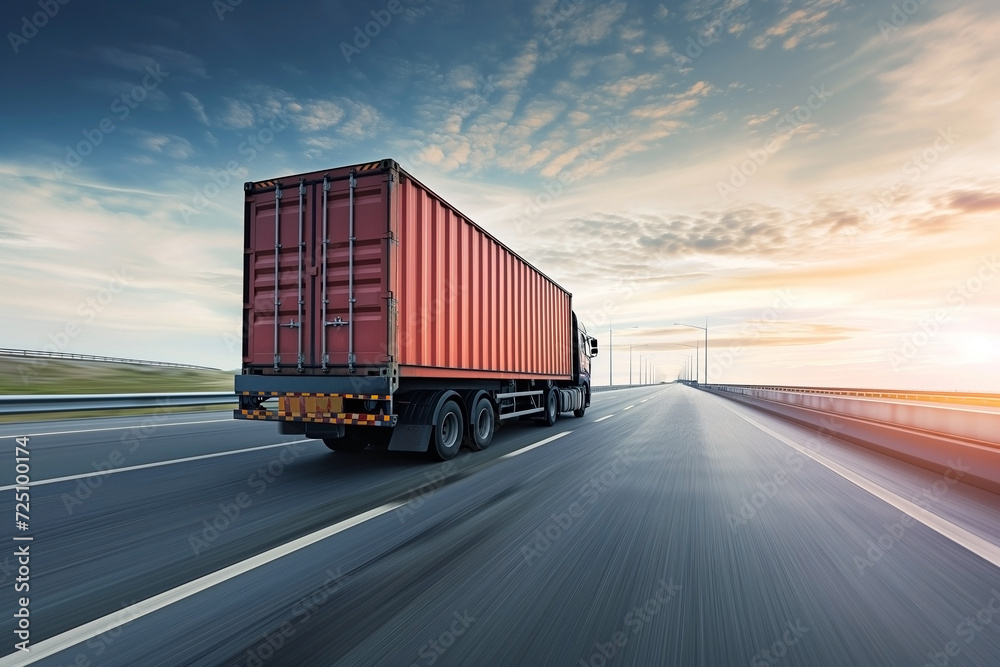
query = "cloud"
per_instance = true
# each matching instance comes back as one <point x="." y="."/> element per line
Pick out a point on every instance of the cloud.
<point x="318" y="115"/>
<point x="539" y="113"/>
<point x="632" y="32"/>
<point x="197" y="107"/>
<point x="338" y="119"/>
<point x="178" y="60"/>
<point x="673" y="104"/>
<point x="626" y="86"/>
<point x="596" y="26"/>
<point x="822" y="238"/>
<point x="976" y="201"/>
<point x="79" y="235"/>
<point x="363" y="121"/>
<point x="323" y="143"/>
<point x="127" y="60"/>
<point x="154" y="57"/>
<point x="809" y="22"/>
<point x="464" y="78"/>
<point x="516" y="72"/>
<point x="236" y="115"/>
<point x="753" y="121"/>
<point x="165" y="144"/>
<point x="661" y="47"/>
<point x="752" y="332"/>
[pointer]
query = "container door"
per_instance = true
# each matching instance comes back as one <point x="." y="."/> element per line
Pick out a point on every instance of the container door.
<point x="277" y="291"/>
<point x="353" y="325"/>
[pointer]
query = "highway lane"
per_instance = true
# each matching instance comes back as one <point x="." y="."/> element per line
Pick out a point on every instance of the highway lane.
<point x="674" y="532"/>
<point x="162" y="523"/>
<point x="79" y="446"/>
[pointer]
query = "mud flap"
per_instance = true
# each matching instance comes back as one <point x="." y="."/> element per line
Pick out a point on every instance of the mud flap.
<point x="410" y="438"/>
<point x="415" y="425"/>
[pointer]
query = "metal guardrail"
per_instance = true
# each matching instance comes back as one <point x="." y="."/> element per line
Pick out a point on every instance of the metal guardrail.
<point x="618" y="386"/>
<point x="953" y="397"/>
<point x="44" y="354"/>
<point x="17" y="405"/>
<point x="932" y="435"/>
<point x="962" y="420"/>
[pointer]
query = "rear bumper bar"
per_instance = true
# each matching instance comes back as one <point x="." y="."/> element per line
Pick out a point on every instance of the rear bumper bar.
<point x="315" y="408"/>
<point x="352" y="418"/>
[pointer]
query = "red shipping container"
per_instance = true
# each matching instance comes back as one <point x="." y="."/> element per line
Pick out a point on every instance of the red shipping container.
<point x="416" y="290"/>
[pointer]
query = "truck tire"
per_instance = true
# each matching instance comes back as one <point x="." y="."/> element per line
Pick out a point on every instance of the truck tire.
<point x="551" y="407"/>
<point x="446" y="436"/>
<point x="482" y="424"/>
<point x="586" y="402"/>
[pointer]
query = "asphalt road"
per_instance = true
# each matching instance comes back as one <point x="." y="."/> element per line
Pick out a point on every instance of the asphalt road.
<point x="666" y="527"/>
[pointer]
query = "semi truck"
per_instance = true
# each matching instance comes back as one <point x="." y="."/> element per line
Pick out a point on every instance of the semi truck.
<point x="377" y="314"/>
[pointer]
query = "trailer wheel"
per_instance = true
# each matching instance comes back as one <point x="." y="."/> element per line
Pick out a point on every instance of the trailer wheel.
<point x="551" y="407"/>
<point x="483" y="425"/>
<point x="446" y="437"/>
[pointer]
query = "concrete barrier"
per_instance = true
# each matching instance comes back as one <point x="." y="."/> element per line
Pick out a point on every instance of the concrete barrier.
<point x="936" y="437"/>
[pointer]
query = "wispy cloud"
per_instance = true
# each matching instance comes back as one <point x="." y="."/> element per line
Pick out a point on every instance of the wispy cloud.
<point x="318" y="115"/>
<point x="153" y="56"/>
<point x="236" y="115"/>
<point x="197" y="107"/>
<point x="169" y="145"/>
<point x="760" y="119"/>
<point x="596" y="25"/>
<point x="800" y="25"/>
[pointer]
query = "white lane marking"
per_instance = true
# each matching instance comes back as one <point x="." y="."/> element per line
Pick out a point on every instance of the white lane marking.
<point x="629" y="407"/>
<point x="644" y="400"/>
<point x="94" y="628"/>
<point x="603" y="418"/>
<point x="156" y="464"/>
<point x="121" y="428"/>
<point x="977" y="545"/>
<point x="99" y="626"/>
<point x="537" y="444"/>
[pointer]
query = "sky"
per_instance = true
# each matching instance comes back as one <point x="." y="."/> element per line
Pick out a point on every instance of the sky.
<point x="814" y="181"/>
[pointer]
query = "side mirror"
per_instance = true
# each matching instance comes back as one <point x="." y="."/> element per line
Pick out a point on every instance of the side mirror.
<point x="593" y="347"/>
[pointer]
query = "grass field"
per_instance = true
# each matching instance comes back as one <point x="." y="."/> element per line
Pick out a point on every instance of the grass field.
<point x="65" y="376"/>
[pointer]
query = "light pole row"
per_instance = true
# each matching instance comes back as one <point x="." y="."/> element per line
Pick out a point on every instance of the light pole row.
<point x="705" y="329"/>
<point x="611" y="354"/>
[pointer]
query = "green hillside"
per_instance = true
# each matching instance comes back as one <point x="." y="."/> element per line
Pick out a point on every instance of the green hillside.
<point x="65" y="376"/>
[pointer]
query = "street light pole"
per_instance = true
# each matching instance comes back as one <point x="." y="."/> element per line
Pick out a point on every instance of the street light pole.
<point x="630" y="364"/>
<point x="611" y="353"/>
<point x="630" y="361"/>
<point x="641" y="356"/>
<point x="695" y="358"/>
<point x="705" y="329"/>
